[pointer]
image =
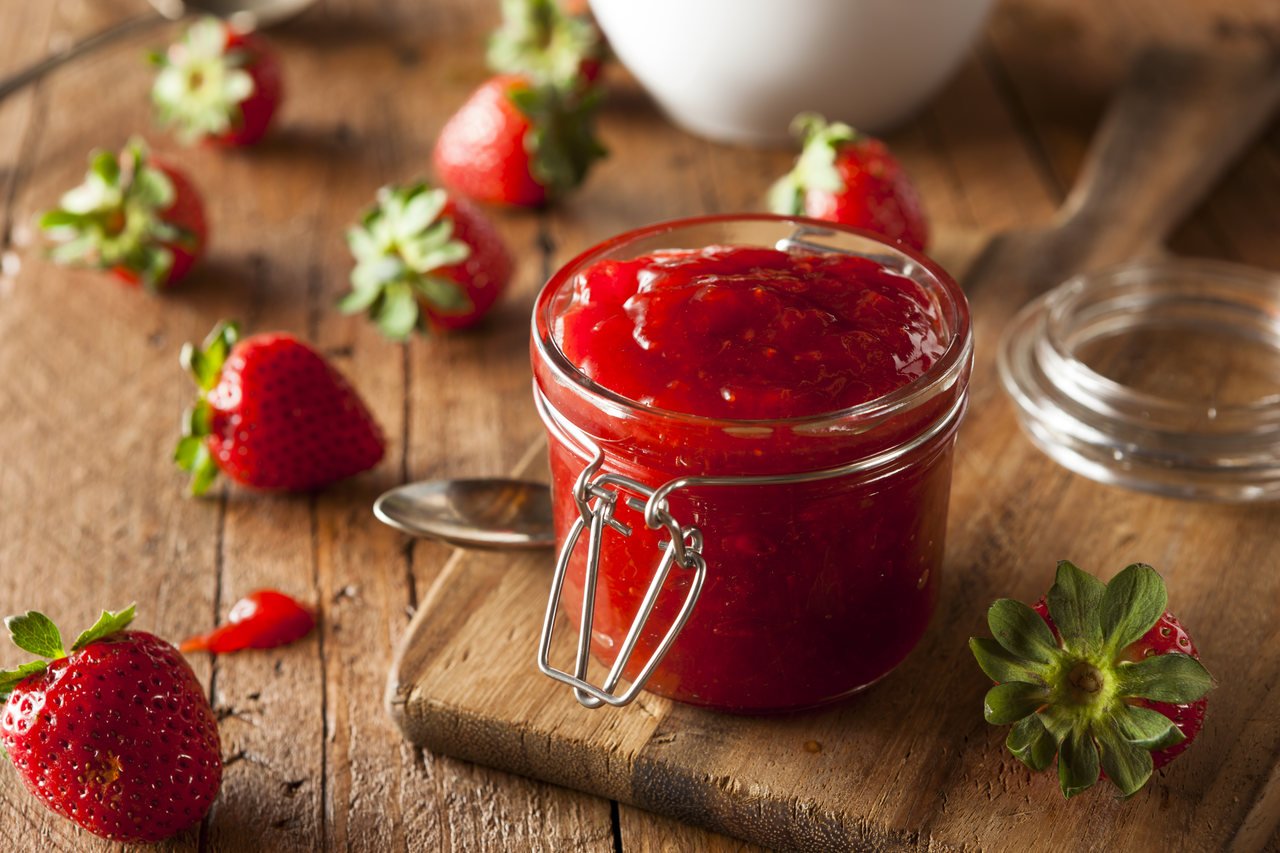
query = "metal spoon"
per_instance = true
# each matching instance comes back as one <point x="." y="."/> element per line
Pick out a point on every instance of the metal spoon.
<point x="246" y="14"/>
<point x="482" y="513"/>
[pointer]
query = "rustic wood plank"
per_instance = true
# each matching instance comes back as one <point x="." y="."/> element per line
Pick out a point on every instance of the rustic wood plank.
<point x="439" y="426"/>
<point x="81" y="542"/>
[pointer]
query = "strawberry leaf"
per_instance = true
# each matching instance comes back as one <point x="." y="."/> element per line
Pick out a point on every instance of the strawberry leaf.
<point x="108" y="623"/>
<point x="1147" y="728"/>
<point x="1077" y="763"/>
<point x="1021" y="631"/>
<point x="9" y="678"/>
<point x="35" y="633"/>
<point x="1074" y="601"/>
<point x="205" y="362"/>
<point x="397" y="314"/>
<point x="1000" y="665"/>
<point x="561" y="138"/>
<point x="1031" y="743"/>
<point x="1011" y="701"/>
<point x="1174" y="677"/>
<point x="1127" y="765"/>
<point x="443" y="295"/>
<point x="1132" y="604"/>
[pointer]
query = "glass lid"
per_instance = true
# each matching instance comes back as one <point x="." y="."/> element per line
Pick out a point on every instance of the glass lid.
<point x="1163" y="377"/>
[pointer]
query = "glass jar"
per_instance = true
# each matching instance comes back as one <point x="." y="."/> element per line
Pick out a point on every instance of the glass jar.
<point x="750" y="566"/>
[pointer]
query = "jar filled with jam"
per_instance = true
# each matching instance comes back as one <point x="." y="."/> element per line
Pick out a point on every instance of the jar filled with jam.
<point x="751" y="423"/>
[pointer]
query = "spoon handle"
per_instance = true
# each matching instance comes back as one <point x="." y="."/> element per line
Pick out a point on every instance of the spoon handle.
<point x="113" y="33"/>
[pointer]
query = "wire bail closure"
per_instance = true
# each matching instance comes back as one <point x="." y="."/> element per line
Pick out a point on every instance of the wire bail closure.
<point x="596" y="495"/>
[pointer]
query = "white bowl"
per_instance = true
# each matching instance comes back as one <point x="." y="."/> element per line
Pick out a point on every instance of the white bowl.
<point x="739" y="70"/>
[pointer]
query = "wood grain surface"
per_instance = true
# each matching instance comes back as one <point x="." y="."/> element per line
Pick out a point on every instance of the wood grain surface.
<point x="92" y="514"/>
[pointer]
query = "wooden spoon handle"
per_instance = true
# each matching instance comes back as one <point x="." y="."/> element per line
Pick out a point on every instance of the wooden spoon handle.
<point x="1179" y="120"/>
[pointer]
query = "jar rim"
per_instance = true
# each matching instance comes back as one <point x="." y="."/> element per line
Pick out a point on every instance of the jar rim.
<point x="946" y="369"/>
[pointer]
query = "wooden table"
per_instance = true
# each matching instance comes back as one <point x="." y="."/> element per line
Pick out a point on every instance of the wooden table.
<point x="92" y="512"/>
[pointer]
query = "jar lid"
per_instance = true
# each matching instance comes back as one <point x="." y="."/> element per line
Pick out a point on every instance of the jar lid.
<point x="1163" y="377"/>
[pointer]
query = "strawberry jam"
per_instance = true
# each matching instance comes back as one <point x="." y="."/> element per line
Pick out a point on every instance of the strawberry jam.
<point x="262" y="619"/>
<point x="679" y="353"/>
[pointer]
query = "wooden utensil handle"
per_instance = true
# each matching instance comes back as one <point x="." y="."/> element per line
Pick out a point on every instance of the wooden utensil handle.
<point x="1178" y="121"/>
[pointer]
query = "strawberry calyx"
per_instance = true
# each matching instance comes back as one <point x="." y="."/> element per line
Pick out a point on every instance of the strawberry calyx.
<point x="401" y="245"/>
<point x="204" y="363"/>
<point x="815" y="168"/>
<point x="561" y="139"/>
<point x="202" y="82"/>
<point x="114" y="219"/>
<point x="540" y="42"/>
<point x="35" y="633"/>
<point x="1080" y="695"/>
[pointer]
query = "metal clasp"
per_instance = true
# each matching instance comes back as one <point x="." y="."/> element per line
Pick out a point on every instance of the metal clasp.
<point x="597" y="495"/>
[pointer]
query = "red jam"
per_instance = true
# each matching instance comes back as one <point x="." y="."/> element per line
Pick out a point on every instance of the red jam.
<point x="744" y="333"/>
<point x="261" y="620"/>
<point x="813" y="590"/>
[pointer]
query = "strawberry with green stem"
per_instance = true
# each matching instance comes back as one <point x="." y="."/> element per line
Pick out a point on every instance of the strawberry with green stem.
<point x="425" y="260"/>
<point x="115" y="734"/>
<point x="542" y="42"/>
<point x="134" y="215"/>
<point x="519" y="142"/>
<point x="217" y="84"/>
<point x="1098" y="675"/>
<point x="846" y="177"/>
<point x="272" y="414"/>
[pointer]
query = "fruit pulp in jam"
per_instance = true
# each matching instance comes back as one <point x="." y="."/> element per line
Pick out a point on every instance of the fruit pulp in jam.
<point x="813" y="590"/>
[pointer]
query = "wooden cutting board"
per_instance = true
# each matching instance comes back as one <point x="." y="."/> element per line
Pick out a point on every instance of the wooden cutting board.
<point x="911" y="765"/>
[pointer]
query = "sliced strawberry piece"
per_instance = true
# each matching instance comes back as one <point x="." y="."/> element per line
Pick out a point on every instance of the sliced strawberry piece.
<point x="263" y="619"/>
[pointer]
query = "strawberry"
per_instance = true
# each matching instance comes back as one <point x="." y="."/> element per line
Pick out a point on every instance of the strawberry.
<point x="116" y="735"/>
<point x="425" y="260"/>
<point x="543" y="42"/>
<point x="843" y="176"/>
<point x="1099" y="675"/>
<point x="518" y="142"/>
<point x="263" y="619"/>
<point x="217" y="84"/>
<point x="134" y="215"/>
<point x="272" y="414"/>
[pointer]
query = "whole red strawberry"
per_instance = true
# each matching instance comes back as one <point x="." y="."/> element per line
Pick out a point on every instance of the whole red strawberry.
<point x="517" y="142"/>
<point x="116" y="734"/>
<point x="1098" y="675"/>
<point x="843" y="176"/>
<point x="217" y="84"/>
<point x="134" y="215"/>
<point x="425" y="260"/>
<point x="272" y="414"/>
<point x="542" y="41"/>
